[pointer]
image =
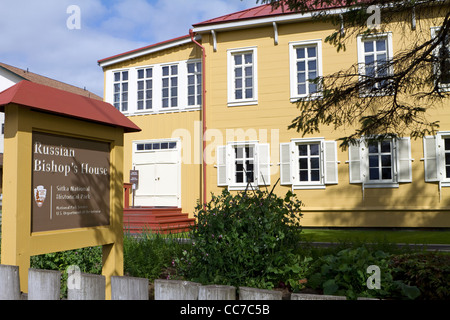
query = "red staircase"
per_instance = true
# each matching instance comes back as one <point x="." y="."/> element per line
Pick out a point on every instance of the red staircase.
<point x="156" y="220"/>
<point x="153" y="219"/>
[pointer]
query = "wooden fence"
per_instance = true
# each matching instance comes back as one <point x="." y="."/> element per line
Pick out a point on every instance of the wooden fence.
<point x="46" y="285"/>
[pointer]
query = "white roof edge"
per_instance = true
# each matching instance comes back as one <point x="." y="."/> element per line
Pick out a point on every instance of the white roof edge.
<point x="139" y="53"/>
<point x="251" y="22"/>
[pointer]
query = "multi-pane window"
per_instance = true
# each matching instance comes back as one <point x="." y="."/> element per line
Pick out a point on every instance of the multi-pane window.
<point x="380" y="163"/>
<point x="444" y="62"/>
<point x="121" y="90"/>
<point x="305" y="60"/>
<point x="380" y="160"/>
<point x="309" y="162"/>
<point x="194" y="83"/>
<point x="240" y="164"/>
<point x="144" y="89"/>
<point x="447" y="157"/>
<point x="374" y="58"/>
<point x="155" y="146"/>
<point x="244" y="160"/>
<point x="170" y="86"/>
<point x="307" y="70"/>
<point x="243" y="75"/>
<point x="441" y="56"/>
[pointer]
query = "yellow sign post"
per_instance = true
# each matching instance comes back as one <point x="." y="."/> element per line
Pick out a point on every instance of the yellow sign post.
<point x="63" y="177"/>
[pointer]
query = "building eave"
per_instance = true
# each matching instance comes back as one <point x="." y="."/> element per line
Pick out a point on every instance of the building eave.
<point x="258" y="22"/>
<point x="172" y="43"/>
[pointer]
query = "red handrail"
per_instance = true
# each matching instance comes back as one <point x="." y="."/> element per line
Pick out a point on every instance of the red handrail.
<point x="128" y="187"/>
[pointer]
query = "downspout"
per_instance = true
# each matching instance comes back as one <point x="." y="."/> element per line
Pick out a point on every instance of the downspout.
<point x="191" y="33"/>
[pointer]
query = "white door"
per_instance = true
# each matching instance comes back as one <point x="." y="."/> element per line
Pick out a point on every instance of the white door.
<point x="159" y="167"/>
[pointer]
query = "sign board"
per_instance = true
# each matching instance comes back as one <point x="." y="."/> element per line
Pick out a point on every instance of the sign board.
<point x="134" y="178"/>
<point x="70" y="183"/>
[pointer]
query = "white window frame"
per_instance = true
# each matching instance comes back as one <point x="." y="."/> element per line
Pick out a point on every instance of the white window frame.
<point x="121" y="82"/>
<point x="145" y="89"/>
<point x="360" y="39"/>
<point x="226" y="165"/>
<point x="293" y="68"/>
<point x="442" y="86"/>
<point x="198" y="85"/>
<point x="289" y="163"/>
<point x="400" y="160"/>
<point x="169" y="77"/>
<point x="434" y="158"/>
<point x="156" y="90"/>
<point x="232" y="101"/>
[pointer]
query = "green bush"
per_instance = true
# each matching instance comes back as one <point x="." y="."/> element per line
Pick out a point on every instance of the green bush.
<point x="346" y="274"/>
<point x="430" y="272"/>
<point x="245" y="239"/>
<point x="148" y="255"/>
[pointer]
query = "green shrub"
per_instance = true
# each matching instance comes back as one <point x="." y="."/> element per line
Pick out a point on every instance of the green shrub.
<point x="430" y="272"/>
<point x="346" y="274"/>
<point x="245" y="239"/>
<point x="148" y="255"/>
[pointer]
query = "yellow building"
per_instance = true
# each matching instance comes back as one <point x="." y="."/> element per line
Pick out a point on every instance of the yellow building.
<point x="214" y="107"/>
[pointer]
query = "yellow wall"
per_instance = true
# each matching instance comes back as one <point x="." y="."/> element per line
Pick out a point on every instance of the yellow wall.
<point x="185" y="125"/>
<point x="416" y="204"/>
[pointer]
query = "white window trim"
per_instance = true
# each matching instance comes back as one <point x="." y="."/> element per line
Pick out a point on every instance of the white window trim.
<point x="437" y="159"/>
<point x="443" y="87"/>
<point x="361" y="160"/>
<point x="145" y="110"/>
<point x="112" y="82"/>
<point x="232" y="102"/>
<point x="242" y="186"/>
<point x="293" y="68"/>
<point x="226" y="168"/>
<point x="361" y="59"/>
<point x="157" y="88"/>
<point x="195" y="106"/>
<point x="294" y="179"/>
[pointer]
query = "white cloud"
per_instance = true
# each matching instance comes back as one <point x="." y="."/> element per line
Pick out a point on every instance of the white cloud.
<point x="34" y="34"/>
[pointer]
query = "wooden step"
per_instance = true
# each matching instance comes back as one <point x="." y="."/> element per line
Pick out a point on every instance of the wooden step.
<point x="156" y="219"/>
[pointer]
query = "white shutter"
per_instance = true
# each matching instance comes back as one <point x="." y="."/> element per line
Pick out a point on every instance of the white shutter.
<point x="330" y="162"/>
<point x="222" y="166"/>
<point x="263" y="164"/>
<point x="404" y="160"/>
<point x="430" y="159"/>
<point x="285" y="164"/>
<point x="355" y="164"/>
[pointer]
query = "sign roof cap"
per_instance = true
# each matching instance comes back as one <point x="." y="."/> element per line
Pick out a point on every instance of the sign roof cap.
<point x="51" y="100"/>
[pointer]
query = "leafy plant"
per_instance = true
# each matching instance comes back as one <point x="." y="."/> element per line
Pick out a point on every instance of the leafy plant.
<point x="247" y="238"/>
<point x="346" y="273"/>
<point x="148" y="255"/>
<point x="430" y="272"/>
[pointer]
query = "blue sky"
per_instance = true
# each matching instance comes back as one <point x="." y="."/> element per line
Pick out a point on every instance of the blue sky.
<point x="34" y="33"/>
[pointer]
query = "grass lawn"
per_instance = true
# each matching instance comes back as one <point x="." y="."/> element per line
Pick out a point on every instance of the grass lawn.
<point x="394" y="236"/>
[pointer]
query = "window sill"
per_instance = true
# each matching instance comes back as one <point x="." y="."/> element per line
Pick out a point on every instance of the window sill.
<point x="306" y="98"/>
<point x="373" y="185"/>
<point x="243" y="187"/>
<point x="308" y="187"/>
<point x="243" y="103"/>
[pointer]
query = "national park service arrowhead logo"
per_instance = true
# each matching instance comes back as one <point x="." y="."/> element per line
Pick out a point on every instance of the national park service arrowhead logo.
<point x="39" y="195"/>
